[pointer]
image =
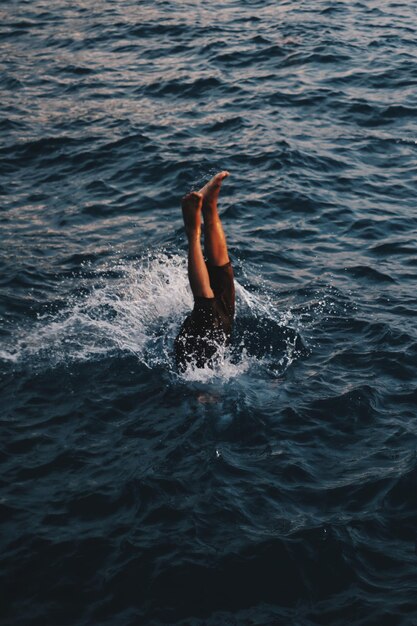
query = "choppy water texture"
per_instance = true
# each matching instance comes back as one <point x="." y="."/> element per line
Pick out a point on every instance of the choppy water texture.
<point x="280" y="487"/>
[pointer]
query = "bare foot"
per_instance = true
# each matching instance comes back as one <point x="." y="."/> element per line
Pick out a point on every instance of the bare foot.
<point x="210" y="191"/>
<point x="191" y="212"/>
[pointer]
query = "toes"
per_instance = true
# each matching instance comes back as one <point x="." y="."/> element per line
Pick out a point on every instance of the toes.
<point x="220" y="176"/>
<point x="214" y="184"/>
<point x="192" y="200"/>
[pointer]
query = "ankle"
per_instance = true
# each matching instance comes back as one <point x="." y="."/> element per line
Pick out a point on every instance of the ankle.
<point x="211" y="217"/>
<point x="193" y="234"/>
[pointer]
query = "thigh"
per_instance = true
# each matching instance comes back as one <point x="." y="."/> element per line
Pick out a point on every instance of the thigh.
<point x="223" y="286"/>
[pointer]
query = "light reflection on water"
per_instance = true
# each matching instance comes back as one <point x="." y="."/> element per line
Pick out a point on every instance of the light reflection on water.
<point x="183" y="499"/>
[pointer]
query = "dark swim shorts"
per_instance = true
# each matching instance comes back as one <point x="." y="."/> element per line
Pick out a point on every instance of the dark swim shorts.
<point x="210" y="323"/>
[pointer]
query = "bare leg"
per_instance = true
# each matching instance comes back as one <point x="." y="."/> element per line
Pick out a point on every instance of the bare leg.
<point x="197" y="270"/>
<point x="215" y="247"/>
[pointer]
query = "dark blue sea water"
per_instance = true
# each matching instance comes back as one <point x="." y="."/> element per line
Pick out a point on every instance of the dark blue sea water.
<point x="279" y="487"/>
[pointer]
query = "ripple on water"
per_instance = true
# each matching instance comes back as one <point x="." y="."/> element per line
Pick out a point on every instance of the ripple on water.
<point x="278" y="486"/>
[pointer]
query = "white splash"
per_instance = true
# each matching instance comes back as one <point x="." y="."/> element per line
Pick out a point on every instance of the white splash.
<point x="133" y="307"/>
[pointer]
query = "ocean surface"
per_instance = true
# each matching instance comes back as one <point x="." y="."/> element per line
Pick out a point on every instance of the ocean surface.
<point x="279" y="486"/>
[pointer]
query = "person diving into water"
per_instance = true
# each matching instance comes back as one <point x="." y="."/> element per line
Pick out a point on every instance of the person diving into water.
<point x="209" y="325"/>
